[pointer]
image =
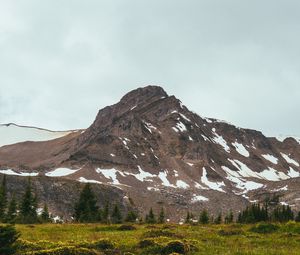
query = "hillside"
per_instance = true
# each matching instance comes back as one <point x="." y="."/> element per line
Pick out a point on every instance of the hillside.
<point x="160" y="153"/>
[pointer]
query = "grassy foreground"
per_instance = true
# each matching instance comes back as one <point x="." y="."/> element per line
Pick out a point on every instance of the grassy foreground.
<point x="160" y="239"/>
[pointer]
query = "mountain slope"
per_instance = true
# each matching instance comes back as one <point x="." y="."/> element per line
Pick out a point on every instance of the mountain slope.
<point x="155" y="149"/>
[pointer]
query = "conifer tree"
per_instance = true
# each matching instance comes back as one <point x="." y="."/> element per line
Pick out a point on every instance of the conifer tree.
<point x="45" y="216"/>
<point x="3" y="199"/>
<point x="105" y="217"/>
<point x="116" y="216"/>
<point x="131" y="216"/>
<point x="229" y="217"/>
<point x="188" y="217"/>
<point x="150" y="217"/>
<point x="12" y="214"/>
<point x="161" y="217"/>
<point x="218" y="219"/>
<point x="204" y="217"/>
<point x="28" y="214"/>
<point x="86" y="209"/>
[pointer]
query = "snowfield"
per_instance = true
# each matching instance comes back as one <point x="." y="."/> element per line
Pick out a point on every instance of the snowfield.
<point x="11" y="172"/>
<point x="59" y="172"/>
<point x="11" y="134"/>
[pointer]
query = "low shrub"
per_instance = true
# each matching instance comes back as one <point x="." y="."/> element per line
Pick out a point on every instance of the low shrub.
<point x="68" y="250"/>
<point x="264" y="228"/>
<point x="126" y="227"/>
<point x="146" y="243"/>
<point x="101" y="245"/>
<point x="177" y="247"/>
<point x="8" y="237"/>
<point x="33" y="246"/>
<point x="291" y="227"/>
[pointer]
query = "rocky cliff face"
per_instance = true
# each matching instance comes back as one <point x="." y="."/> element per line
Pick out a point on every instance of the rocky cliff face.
<point x="161" y="154"/>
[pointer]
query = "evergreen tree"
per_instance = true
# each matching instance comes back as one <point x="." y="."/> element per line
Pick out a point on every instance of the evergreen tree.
<point x="45" y="216"/>
<point x="204" y="217"/>
<point x="150" y="217"/>
<point x="283" y="213"/>
<point x="28" y="214"/>
<point x="218" y="219"/>
<point x="86" y="209"/>
<point x="297" y="219"/>
<point x="229" y="217"/>
<point x="8" y="237"/>
<point x="105" y="214"/>
<point x="131" y="216"/>
<point x="116" y="216"/>
<point x="12" y="214"/>
<point x="161" y="217"/>
<point x="3" y="199"/>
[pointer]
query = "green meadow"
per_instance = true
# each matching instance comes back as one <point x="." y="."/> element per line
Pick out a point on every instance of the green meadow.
<point x="91" y="239"/>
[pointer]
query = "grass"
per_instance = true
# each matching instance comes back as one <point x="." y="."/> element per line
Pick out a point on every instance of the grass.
<point x="198" y="239"/>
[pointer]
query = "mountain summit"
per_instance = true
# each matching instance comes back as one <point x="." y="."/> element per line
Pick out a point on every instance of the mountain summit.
<point x="160" y="153"/>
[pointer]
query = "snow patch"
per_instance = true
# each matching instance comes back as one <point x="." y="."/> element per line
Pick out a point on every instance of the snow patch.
<point x="181" y="184"/>
<point x="11" y="134"/>
<point x="273" y="175"/>
<point x="180" y="127"/>
<point x="110" y="174"/>
<point x="184" y="117"/>
<point x="83" y="180"/>
<point x="290" y="160"/>
<point x="212" y="185"/>
<point x="241" y="149"/>
<point x="11" y="172"/>
<point x="293" y="174"/>
<point x="271" y="158"/>
<point x="220" y="140"/>
<point x="142" y="175"/>
<point x="58" y="172"/>
<point x="165" y="181"/>
<point x="198" y="198"/>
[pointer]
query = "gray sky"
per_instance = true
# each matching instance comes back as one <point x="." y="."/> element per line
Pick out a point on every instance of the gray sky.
<point x="63" y="60"/>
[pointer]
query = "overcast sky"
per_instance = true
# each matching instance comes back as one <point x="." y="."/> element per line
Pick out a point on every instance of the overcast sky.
<point x="63" y="60"/>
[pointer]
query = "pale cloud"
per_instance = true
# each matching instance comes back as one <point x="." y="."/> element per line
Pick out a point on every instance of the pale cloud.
<point x="61" y="61"/>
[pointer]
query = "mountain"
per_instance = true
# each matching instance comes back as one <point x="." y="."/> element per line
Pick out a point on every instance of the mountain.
<point x="159" y="153"/>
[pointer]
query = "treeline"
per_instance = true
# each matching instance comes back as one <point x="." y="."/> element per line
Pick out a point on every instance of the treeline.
<point x="23" y="211"/>
<point x="251" y="214"/>
<point x="87" y="210"/>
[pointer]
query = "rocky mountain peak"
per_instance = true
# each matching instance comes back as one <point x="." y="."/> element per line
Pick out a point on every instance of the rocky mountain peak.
<point x="143" y="95"/>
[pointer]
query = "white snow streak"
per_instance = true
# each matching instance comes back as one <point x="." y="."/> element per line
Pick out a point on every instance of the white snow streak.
<point x="61" y="172"/>
<point x="241" y="149"/>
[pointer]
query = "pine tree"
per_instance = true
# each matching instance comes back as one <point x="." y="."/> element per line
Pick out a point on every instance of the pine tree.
<point x="229" y="217"/>
<point x="116" y="216"/>
<point x="12" y="214"/>
<point x="86" y="209"/>
<point x="105" y="214"/>
<point x="161" y="217"/>
<point x="204" y="217"/>
<point x="150" y="217"/>
<point x="28" y="214"/>
<point x="218" y="219"/>
<point x="3" y="199"/>
<point x="131" y="216"/>
<point x="45" y="216"/>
